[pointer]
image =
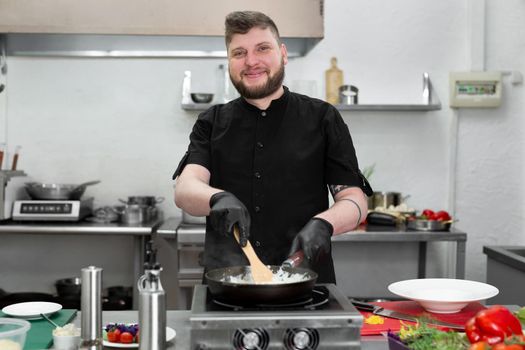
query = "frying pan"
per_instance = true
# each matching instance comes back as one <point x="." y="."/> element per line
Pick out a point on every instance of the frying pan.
<point x="50" y="191"/>
<point x="223" y="289"/>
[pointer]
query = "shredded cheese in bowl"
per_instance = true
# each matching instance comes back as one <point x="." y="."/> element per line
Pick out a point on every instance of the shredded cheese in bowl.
<point x="69" y="330"/>
<point x="7" y="344"/>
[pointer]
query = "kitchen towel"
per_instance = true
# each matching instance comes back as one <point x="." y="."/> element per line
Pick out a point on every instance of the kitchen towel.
<point x="413" y="308"/>
<point x="40" y="334"/>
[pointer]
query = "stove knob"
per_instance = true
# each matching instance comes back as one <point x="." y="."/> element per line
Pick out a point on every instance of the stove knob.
<point x="301" y="340"/>
<point x="251" y="340"/>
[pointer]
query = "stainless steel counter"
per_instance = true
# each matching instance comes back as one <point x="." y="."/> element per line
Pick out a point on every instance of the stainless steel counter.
<point x="138" y="232"/>
<point x="401" y="234"/>
<point x="379" y="251"/>
<point x="179" y="321"/>
<point x="81" y="227"/>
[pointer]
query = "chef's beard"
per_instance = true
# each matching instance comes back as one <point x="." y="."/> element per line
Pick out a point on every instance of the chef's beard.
<point x="273" y="83"/>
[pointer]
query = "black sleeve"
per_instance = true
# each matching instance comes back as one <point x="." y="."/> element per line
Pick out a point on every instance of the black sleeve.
<point x="199" y="149"/>
<point x="341" y="166"/>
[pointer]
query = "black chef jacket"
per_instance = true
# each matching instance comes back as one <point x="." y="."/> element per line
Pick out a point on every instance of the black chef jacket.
<point x="278" y="162"/>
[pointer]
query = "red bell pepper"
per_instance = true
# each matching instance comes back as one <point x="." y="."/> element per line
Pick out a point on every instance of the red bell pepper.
<point x="492" y="325"/>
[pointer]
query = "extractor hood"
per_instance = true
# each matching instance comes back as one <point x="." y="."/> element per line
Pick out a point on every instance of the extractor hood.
<point x="159" y="46"/>
<point x="146" y="28"/>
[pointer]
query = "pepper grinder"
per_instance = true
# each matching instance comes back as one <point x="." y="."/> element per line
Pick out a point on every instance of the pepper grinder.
<point x="152" y="304"/>
<point x="91" y="307"/>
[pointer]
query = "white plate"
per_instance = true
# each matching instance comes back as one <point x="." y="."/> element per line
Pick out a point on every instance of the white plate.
<point x="31" y="310"/>
<point x="170" y="335"/>
<point x="443" y="295"/>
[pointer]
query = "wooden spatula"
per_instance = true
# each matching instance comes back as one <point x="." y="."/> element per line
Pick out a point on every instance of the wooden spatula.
<point x="260" y="272"/>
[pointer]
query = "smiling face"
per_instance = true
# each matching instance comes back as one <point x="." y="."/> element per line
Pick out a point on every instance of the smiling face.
<point x="256" y="63"/>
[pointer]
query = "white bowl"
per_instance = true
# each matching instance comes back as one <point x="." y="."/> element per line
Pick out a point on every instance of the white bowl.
<point x="66" y="342"/>
<point x="443" y="295"/>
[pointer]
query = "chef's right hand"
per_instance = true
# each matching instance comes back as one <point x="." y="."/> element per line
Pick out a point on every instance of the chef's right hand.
<point x="226" y="211"/>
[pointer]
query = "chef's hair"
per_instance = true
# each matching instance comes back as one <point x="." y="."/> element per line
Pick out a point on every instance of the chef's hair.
<point x="240" y="22"/>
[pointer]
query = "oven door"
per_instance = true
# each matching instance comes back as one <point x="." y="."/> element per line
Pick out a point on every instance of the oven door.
<point x="190" y="271"/>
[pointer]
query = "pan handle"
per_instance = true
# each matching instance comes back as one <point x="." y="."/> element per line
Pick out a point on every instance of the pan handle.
<point x="294" y="260"/>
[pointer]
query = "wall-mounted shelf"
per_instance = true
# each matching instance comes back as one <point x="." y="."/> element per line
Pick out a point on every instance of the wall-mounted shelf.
<point x="430" y="102"/>
<point x="196" y="106"/>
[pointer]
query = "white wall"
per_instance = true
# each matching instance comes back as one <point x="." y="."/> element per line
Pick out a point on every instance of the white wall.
<point x="119" y="120"/>
<point x="491" y="147"/>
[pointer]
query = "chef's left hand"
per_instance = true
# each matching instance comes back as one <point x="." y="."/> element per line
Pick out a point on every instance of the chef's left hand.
<point x="314" y="239"/>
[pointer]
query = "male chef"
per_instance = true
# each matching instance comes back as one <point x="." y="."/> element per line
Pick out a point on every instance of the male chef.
<point x="266" y="160"/>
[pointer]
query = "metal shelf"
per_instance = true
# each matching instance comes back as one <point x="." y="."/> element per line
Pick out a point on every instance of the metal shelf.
<point x="430" y="102"/>
<point x="196" y="106"/>
<point x="8" y="174"/>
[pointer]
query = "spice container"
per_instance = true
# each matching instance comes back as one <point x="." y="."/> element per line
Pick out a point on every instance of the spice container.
<point x="91" y="307"/>
<point x="348" y="95"/>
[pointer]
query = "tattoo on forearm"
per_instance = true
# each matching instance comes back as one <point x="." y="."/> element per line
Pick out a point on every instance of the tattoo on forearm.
<point x="335" y="189"/>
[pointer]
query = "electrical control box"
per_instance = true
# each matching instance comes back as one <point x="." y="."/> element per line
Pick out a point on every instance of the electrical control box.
<point x="475" y="89"/>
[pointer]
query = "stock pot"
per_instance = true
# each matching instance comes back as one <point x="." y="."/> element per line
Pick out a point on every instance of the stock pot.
<point x="384" y="199"/>
<point x="143" y="200"/>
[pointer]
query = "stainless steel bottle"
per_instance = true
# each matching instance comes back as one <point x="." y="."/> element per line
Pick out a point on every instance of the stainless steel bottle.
<point x="91" y="308"/>
<point x="152" y="304"/>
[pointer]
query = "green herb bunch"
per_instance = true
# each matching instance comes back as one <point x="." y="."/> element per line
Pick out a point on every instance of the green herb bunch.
<point x="423" y="337"/>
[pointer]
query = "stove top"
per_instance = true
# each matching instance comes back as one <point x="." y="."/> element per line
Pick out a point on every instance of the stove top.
<point x="326" y="320"/>
<point x="318" y="299"/>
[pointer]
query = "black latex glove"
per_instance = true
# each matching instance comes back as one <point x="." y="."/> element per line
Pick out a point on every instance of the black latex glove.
<point x="226" y="211"/>
<point x="314" y="239"/>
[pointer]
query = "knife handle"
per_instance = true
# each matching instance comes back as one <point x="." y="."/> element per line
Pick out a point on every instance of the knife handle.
<point x="361" y="305"/>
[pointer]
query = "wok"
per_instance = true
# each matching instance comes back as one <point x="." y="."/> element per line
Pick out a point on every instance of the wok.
<point x="50" y="191"/>
<point x="224" y="287"/>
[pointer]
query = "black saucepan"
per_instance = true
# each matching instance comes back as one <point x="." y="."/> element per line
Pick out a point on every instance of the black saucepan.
<point x="224" y="287"/>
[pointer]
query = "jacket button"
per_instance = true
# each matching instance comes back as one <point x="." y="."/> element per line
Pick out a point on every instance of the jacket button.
<point x="257" y="208"/>
<point x="257" y="175"/>
<point x="257" y="243"/>
<point x="260" y="145"/>
<point x="263" y="114"/>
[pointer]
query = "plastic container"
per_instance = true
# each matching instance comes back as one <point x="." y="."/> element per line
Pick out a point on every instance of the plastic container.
<point x="13" y="333"/>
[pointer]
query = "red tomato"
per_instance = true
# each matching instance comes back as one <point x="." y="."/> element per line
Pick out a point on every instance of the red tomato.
<point x="126" y="338"/>
<point x="429" y="214"/>
<point x="503" y="346"/>
<point x="442" y="216"/>
<point x="480" y="345"/>
<point x="114" y="336"/>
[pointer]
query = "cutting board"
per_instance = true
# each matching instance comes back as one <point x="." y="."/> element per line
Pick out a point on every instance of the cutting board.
<point x="40" y="334"/>
<point x="413" y="308"/>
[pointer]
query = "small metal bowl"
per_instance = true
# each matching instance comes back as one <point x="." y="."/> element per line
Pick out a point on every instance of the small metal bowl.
<point x="201" y="97"/>
<point x="428" y="225"/>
